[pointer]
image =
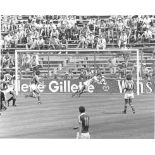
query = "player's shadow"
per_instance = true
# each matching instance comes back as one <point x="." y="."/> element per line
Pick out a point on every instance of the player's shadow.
<point x="112" y="112"/>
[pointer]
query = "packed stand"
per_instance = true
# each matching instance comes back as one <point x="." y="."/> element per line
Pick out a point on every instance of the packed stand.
<point x="55" y="32"/>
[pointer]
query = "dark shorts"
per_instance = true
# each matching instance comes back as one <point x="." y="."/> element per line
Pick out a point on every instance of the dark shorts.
<point x="2" y="96"/>
<point x="83" y="88"/>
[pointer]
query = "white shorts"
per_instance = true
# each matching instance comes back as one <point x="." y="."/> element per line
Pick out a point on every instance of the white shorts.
<point x="129" y="95"/>
<point x="33" y="87"/>
<point x="83" y="135"/>
<point x="86" y="83"/>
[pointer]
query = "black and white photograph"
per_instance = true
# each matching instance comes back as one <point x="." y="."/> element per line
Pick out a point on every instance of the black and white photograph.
<point x="85" y="74"/>
<point x="77" y="76"/>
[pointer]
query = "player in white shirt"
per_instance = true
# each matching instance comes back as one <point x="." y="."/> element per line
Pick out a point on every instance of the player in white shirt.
<point x="129" y="93"/>
<point x="98" y="79"/>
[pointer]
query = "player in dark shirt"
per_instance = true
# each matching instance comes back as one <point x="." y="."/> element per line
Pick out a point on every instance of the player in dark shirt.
<point x="83" y="120"/>
<point x="2" y="89"/>
<point x="34" y="91"/>
<point x="9" y="79"/>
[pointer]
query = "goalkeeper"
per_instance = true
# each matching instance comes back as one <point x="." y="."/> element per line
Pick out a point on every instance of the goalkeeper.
<point x="98" y="79"/>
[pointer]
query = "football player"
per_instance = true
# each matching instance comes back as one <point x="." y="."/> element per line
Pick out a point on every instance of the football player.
<point x="83" y="121"/>
<point x="9" y="79"/>
<point x="129" y="93"/>
<point x="34" y="91"/>
<point x="99" y="79"/>
<point x="2" y="89"/>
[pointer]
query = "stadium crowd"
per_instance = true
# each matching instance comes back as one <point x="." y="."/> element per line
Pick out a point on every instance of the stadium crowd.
<point x="54" y="32"/>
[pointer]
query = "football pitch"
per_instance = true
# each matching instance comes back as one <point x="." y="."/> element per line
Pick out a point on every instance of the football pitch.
<point x="58" y="114"/>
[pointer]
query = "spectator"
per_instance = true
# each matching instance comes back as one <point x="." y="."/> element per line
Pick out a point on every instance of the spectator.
<point x="85" y="30"/>
<point x="134" y="28"/>
<point x="97" y="26"/>
<point x="47" y="43"/>
<point x="39" y="26"/>
<point x="82" y="41"/>
<point x="146" y="72"/>
<point x="55" y="33"/>
<point x="122" y="70"/>
<point x="7" y="61"/>
<point x="91" y="24"/>
<point x="139" y="30"/>
<point x="66" y="75"/>
<point x="64" y="43"/>
<point x="103" y="27"/>
<point x="36" y="33"/>
<point x="14" y="40"/>
<point x="74" y="20"/>
<point x="7" y="41"/>
<point x="111" y="26"/>
<point x="147" y="21"/>
<point x="48" y="29"/>
<point x="36" y="62"/>
<point x="69" y="26"/>
<point x="34" y="44"/>
<point x="113" y="65"/>
<point x="54" y="43"/>
<point x="101" y="43"/>
<point x="147" y="36"/>
<point x="126" y="21"/>
<point x="62" y="30"/>
<point x="90" y="40"/>
<point x="134" y="69"/>
<point x="120" y="27"/>
<point x="60" y="67"/>
<point x="21" y="34"/>
<point x="75" y="32"/>
<point x="40" y="43"/>
<point x="70" y="74"/>
<point x="123" y="40"/>
<point x="152" y="29"/>
<point x="55" y="73"/>
<point x="43" y="31"/>
<point x="26" y="62"/>
<point x="4" y="24"/>
<point x="52" y="25"/>
<point x="2" y="43"/>
<point x="29" y="42"/>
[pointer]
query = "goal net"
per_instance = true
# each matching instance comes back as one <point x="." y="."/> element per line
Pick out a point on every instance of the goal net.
<point x="64" y="70"/>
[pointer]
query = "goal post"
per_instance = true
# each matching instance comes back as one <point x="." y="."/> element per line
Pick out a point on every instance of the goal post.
<point x="138" y="70"/>
<point x="77" y="54"/>
<point x="16" y="72"/>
